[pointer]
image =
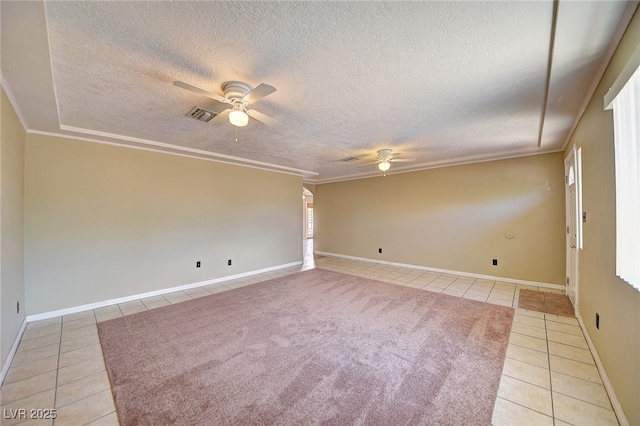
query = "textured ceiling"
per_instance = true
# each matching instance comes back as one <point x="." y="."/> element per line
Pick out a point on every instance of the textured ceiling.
<point x="441" y="82"/>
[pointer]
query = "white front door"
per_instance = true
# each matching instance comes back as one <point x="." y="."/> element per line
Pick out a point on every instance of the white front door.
<point x="573" y="222"/>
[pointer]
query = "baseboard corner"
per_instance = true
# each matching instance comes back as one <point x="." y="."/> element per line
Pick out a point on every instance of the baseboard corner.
<point x="12" y="352"/>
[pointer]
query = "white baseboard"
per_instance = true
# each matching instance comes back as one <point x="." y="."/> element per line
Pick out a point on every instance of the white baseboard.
<point x="81" y="308"/>
<point x="617" y="408"/>
<point x="446" y="271"/>
<point x="12" y="352"/>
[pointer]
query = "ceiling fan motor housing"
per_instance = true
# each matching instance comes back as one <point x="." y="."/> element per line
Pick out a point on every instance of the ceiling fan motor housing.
<point x="384" y="153"/>
<point x="235" y="91"/>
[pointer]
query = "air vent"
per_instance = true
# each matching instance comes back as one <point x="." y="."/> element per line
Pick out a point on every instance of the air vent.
<point x="201" y="114"/>
<point x="349" y="159"/>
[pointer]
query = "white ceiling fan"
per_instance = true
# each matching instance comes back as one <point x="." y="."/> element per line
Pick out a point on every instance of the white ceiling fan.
<point x="238" y="95"/>
<point x="386" y="157"/>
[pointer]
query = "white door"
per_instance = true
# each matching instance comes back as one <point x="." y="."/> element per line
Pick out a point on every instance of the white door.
<point x="573" y="221"/>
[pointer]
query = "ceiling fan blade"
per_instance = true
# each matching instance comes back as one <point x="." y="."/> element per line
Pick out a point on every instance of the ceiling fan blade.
<point x="264" y="118"/>
<point x="258" y="93"/>
<point x="401" y="160"/>
<point x="223" y="115"/>
<point x="199" y="91"/>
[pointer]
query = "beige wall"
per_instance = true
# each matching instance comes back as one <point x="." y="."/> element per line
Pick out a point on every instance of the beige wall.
<point x="104" y="222"/>
<point x="618" y="339"/>
<point x="453" y="218"/>
<point x="12" y="286"/>
<point x="311" y="187"/>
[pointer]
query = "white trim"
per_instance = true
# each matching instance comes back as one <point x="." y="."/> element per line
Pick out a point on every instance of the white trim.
<point x="50" y="58"/>
<point x="89" y="306"/>
<point x="579" y="189"/>
<point x="550" y="69"/>
<point x="160" y="151"/>
<point x="447" y="271"/>
<point x="179" y="148"/>
<point x="617" y="408"/>
<point x="460" y="161"/>
<point x="12" y="352"/>
<point x="121" y="140"/>
<point x="573" y="157"/>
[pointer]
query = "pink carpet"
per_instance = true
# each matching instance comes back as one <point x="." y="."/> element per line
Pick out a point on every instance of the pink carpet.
<point x="316" y="347"/>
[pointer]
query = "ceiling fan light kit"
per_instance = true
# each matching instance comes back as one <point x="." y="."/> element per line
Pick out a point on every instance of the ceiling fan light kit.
<point x="385" y="158"/>
<point x="384" y="165"/>
<point x="238" y="117"/>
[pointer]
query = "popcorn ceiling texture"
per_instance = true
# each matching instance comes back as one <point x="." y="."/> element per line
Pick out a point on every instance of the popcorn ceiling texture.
<point x="440" y="82"/>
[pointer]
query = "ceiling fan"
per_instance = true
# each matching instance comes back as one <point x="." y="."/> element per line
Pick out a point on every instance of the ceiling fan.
<point x="238" y="95"/>
<point x="386" y="157"/>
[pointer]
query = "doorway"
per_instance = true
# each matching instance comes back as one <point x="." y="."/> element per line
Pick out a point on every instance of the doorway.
<point x="309" y="220"/>
<point x="574" y="219"/>
<point x="307" y="212"/>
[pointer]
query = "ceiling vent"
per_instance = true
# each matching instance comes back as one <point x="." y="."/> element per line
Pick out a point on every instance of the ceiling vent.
<point x="349" y="159"/>
<point x="201" y="114"/>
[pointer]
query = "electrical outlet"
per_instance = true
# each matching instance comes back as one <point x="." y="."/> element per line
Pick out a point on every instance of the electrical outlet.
<point x="598" y="321"/>
<point x="18" y="307"/>
<point x="380" y="250"/>
<point x="198" y="264"/>
<point x="495" y="262"/>
<point x="229" y="262"/>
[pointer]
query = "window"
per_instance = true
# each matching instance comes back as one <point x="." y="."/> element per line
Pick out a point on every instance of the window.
<point x="626" y="122"/>
<point x="572" y="177"/>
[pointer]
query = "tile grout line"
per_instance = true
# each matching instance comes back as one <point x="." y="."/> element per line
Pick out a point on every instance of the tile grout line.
<point x="533" y="384"/>
<point x="583" y="400"/>
<point x="55" y="388"/>
<point x="524" y="406"/>
<point x="553" y="413"/>
<point x="546" y="307"/>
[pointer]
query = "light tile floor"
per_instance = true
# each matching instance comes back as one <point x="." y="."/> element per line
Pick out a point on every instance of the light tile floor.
<point x="549" y="375"/>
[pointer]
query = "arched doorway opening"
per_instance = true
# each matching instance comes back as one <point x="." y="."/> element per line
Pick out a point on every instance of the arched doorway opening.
<point x="307" y="211"/>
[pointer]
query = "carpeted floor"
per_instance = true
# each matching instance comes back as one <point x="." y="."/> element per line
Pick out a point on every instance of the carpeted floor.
<point x="550" y="303"/>
<point x="309" y="348"/>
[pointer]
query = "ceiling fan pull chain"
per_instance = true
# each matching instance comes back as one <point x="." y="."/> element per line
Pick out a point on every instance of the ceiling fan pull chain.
<point x="236" y="133"/>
